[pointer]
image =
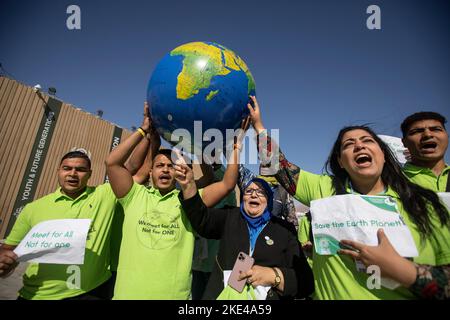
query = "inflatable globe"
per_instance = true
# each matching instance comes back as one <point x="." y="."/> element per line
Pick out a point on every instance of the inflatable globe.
<point x="199" y="81"/>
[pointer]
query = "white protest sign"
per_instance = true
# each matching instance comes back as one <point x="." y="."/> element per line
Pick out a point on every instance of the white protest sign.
<point x="445" y="199"/>
<point x="358" y="217"/>
<point x="396" y="146"/>
<point x="61" y="241"/>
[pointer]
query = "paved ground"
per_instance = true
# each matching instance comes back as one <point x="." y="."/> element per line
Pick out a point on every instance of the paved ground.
<point x="11" y="285"/>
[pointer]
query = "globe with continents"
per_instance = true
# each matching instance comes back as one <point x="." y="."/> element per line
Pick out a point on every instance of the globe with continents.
<point x="199" y="81"/>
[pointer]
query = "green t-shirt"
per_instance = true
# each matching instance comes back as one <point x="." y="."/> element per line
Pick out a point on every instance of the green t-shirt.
<point x="56" y="281"/>
<point x="303" y="234"/>
<point x="426" y="178"/>
<point x="336" y="276"/>
<point x="116" y="237"/>
<point x="303" y="229"/>
<point x="157" y="246"/>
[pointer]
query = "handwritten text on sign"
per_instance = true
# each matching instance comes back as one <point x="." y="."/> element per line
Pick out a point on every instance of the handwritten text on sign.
<point x="61" y="241"/>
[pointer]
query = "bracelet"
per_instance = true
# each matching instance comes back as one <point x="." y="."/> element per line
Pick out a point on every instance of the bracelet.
<point x="141" y="131"/>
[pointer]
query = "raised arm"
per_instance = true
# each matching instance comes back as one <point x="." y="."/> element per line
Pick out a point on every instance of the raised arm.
<point x="208" y="175"/>
<point x="143" y="174"/>
<point x="208" y="223"/>
<point x="289" y="211"/>
<point x="215" y="192"/>
<point x="136" y="160"/>
<point x="140" y="161"/>
<point x="120" y="178"/>
<point x="286" y="173"/>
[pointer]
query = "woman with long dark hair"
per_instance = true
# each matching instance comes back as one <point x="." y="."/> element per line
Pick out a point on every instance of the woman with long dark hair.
<point x="414" y="198"/>
<point x="361" y="163"/>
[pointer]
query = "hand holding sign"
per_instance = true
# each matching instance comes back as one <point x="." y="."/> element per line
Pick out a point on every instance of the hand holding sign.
<point x="391" y="264"/>
<point x="358" y="217"/>
<point x="370" y="255"/>
<point x="8" y="262"/>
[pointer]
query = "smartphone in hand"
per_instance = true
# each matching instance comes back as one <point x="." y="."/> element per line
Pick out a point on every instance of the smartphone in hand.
<point x="243" y="263"/>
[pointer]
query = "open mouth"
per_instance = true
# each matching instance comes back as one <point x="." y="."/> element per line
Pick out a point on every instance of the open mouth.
<point x="164" y="178"/>
<point x="253" y="204"/>
<point x="429" y="146"/>
<point x="363" y="159"/>
<point x="72" y="181"/>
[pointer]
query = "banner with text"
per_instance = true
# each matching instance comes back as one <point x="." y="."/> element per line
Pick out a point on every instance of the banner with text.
<point x="36" y="161"/>
<point x="61" y="241"/>
<point x="358" y="217"/>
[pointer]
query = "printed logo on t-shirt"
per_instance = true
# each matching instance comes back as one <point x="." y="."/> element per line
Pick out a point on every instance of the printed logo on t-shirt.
<point x="159" y="230"/>
<point x="90" y="232"/>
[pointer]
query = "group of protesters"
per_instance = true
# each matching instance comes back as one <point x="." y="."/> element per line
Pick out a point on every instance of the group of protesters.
<point x="157" y="233"/>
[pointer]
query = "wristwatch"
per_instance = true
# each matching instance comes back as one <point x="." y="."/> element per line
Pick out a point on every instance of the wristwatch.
<point x="277" y="278"/>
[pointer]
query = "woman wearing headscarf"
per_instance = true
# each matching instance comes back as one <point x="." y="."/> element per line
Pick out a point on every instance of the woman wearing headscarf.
<point x="279" y="262"/>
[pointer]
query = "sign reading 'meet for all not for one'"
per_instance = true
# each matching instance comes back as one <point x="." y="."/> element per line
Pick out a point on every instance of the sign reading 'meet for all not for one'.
<point x="61" y="241"/>
<point x="358" y="217"/>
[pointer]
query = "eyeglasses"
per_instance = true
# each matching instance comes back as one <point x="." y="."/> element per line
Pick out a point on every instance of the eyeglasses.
<point x="259" y="192"/>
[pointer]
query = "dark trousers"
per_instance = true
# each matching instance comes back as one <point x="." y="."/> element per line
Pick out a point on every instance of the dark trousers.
<point x="199" y="282"/>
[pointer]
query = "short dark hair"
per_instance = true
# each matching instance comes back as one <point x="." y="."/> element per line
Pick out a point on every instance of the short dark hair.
<point x="418" y="116"/>
<point x="76" y="154"/>
<point x="164" y="152"/>
<point x="168" y="154"/>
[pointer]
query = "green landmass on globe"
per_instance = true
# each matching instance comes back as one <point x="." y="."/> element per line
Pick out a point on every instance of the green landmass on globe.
<point x="199" y="82"/>
<point x="197" y="73"/>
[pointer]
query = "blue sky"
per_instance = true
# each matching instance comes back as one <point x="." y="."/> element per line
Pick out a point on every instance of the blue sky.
<point x="316" y="65"/>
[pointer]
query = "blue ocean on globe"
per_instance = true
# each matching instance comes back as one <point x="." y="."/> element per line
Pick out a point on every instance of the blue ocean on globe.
<point x="199" y="81"/>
